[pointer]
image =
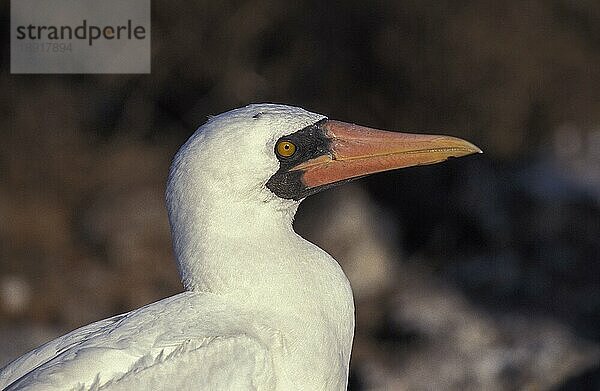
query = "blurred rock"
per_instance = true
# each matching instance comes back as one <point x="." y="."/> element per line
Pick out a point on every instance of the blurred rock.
<point x="15" y="294"/>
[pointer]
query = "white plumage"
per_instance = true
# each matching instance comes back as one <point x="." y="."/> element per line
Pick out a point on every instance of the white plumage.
<point x="263" y="308"/>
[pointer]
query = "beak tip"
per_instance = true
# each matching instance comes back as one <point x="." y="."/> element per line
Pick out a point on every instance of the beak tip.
<point x="472" y="148"/>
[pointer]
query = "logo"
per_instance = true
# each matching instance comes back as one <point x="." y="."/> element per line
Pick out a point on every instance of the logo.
<point x="80" y="36"/>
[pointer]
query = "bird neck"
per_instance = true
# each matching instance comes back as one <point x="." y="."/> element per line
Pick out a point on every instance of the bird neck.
<point x="219" y="244"/>
<point x="249" y="252"/>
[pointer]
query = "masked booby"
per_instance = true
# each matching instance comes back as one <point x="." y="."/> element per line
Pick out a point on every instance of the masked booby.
<point x="262" y="308"/>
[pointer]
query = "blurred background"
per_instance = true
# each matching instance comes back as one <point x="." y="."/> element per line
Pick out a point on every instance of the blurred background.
<point x="479" y="273"/>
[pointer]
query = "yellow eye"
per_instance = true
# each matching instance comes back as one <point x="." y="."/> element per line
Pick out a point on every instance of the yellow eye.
<point x="285" y="148"/>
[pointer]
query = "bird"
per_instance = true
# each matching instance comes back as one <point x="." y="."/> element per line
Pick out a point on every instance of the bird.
<point x="262" y="308"/>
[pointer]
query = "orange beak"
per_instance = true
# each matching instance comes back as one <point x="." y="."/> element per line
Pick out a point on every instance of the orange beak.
<point x="357" y="151"/>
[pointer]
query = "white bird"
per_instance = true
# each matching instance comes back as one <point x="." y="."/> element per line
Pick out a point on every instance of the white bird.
<point x="262" y="308"/>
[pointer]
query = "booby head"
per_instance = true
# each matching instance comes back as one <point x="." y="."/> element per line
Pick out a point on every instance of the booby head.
<point x="255" y="164"/>
<point x="295" y="153"/>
